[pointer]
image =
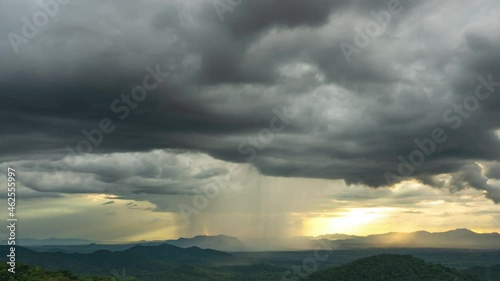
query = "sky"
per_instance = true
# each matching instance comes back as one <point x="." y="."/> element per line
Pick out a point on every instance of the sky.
<point x="154" y="120"/>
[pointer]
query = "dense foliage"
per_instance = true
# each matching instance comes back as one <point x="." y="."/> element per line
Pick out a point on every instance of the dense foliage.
<point x="391" y="268"/>
<point x="166" y="262"/>
<point x="156" y="263"/>
<point x="36" y="273"/>
<point x="491" y="273"/>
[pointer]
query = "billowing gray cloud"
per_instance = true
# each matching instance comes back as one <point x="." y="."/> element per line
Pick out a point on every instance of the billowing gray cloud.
<point x="494" y="171"/>
<point x="227" y="79"/>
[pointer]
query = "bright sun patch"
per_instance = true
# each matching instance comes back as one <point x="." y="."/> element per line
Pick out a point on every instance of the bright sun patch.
<point x="352" y="221"/>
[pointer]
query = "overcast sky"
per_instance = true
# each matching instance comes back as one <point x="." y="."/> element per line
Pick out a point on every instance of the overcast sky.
<point x="310" y="117"/>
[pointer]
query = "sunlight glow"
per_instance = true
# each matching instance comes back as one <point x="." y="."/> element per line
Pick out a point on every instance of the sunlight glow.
<point x="352" y="221"/>
<point x="99" y="197"/>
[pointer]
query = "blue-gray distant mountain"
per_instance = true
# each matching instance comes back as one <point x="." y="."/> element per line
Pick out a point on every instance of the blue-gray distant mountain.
<point x="337" y="236"/>
<point x="49" y="241"/>
<point x="218" y="242"/>
<point x="459" y="238"/>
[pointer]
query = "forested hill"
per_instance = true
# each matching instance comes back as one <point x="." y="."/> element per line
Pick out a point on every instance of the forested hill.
<point x="486" y="272"/>
<point x="391" y="268"/>
<point x="35" y="273"/>
<point x="166" y="262"/>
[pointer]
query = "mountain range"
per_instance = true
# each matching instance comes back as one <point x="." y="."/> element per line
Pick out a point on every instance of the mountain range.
<point x="217" y="242"/>
<point x="49" y="241"/>
<point x="459" y="238"/>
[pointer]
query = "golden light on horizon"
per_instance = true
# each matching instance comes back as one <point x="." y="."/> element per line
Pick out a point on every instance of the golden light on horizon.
<point x="99" y="197"/>
<point x="355" y="221"/>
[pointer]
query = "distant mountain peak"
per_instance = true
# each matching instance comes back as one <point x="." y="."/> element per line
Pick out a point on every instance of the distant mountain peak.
<point x="217" y="242"/>
<point x="462" y="231"/>
<point x="462" y="238"/>
<point x="213" y="236"/>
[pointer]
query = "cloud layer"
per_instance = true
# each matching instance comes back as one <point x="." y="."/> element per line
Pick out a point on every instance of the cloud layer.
<point x="227" y="79"/>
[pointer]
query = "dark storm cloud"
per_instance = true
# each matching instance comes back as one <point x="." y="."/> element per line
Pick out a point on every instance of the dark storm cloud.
<point x="494" y="171"/>
<point x="256" y="16"/>
<point x="226" y="77"/>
